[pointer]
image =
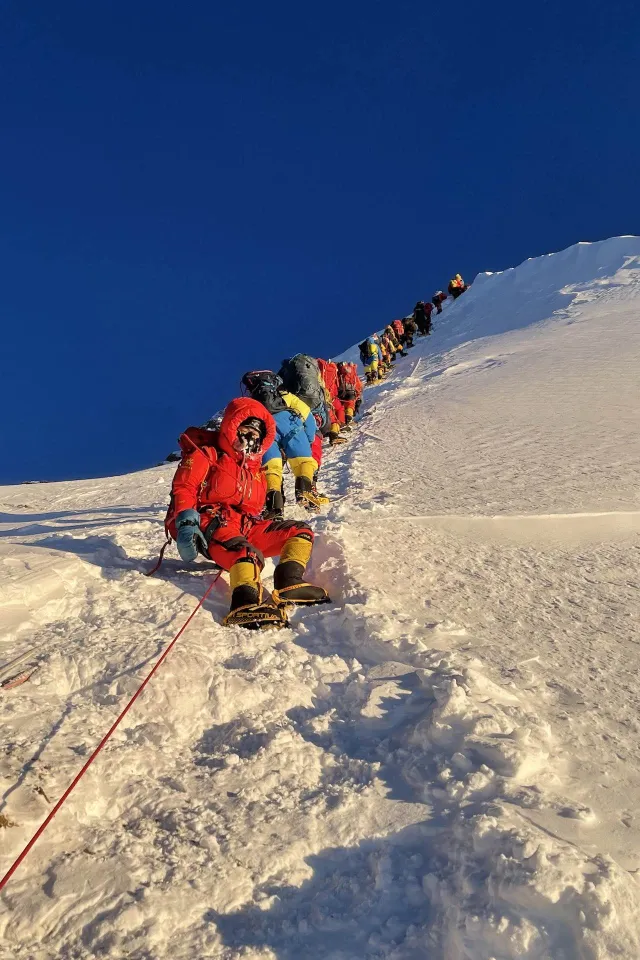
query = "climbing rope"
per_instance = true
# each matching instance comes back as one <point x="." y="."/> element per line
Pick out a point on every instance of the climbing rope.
<point x="43" y="826"/>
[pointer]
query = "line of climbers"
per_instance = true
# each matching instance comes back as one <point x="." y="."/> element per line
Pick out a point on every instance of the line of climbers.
<point x="379" y="351"/>
<point x="227" y="496"/>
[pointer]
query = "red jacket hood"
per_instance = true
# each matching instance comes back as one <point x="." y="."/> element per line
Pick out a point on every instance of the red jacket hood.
<point x="237" y="411"/>
<point x="223" y="439"/>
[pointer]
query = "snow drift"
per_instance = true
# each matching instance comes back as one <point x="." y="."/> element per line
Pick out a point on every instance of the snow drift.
<point x="442" y="764"/>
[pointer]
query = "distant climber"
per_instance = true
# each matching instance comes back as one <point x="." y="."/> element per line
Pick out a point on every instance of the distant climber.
<point x="398" y="326"/>
<point x="371" y="357"/>
<point x="457" y="286"/>
<point x="410" y="330"/>
<point x="422" y="317"/>
<point x="394" y="341"/>
<point x="438" y="299"/>
<point x="388" y="353"/>
<point x="349" y="390"/>
<point x="329" y="374"/>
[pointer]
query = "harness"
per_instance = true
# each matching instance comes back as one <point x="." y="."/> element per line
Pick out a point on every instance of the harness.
<point x="233" y="544"/>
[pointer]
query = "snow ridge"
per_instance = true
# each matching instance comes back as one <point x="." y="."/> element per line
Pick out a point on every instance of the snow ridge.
<point x="444" y="762"/>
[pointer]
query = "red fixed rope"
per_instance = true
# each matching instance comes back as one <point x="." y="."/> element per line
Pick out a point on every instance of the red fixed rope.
<point x="43" y="826"/>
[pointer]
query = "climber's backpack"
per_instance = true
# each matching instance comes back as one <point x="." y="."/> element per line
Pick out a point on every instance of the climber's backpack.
<point x="300" y="375"/>
<point x="265" y="386"/>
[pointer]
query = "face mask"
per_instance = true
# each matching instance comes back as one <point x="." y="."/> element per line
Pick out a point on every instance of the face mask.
<point x="248" y="442"/>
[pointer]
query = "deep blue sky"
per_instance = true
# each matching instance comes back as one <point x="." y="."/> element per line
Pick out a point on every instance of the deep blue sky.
<point x="191" y="190"/>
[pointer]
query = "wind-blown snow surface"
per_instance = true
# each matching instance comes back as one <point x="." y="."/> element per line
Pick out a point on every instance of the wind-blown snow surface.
<point x="444" y="763"/>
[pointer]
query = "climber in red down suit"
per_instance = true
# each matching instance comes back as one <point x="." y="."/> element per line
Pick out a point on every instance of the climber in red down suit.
<point x="217" y="497"/>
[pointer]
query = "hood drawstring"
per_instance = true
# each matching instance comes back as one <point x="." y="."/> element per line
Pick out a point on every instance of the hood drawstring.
<point x="241" y="486"/>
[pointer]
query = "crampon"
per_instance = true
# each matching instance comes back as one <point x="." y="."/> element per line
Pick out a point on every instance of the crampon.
<point x="263" y="616"/>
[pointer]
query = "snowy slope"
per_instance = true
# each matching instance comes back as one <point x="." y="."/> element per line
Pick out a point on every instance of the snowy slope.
<point x="444" y="764"/>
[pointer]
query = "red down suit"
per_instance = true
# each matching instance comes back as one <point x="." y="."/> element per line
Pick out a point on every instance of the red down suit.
<point x="329" y="373"/>
<point x="228" y="489"/>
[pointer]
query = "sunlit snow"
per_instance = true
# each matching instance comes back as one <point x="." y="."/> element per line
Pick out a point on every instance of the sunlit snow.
<point x="443" y="764"/>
